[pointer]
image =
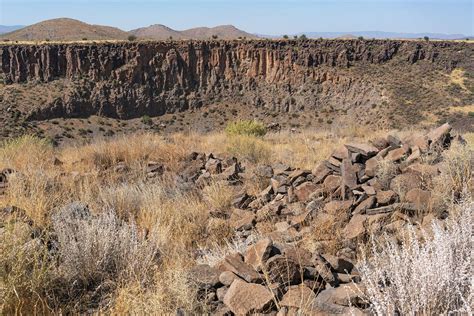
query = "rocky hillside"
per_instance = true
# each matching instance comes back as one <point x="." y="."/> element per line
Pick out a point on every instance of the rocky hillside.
<point x="377" y="82"/>
<point x="162" y="32"/>
<point x="64" y="29"/>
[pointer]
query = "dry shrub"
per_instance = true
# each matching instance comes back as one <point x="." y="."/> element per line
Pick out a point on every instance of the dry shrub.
<point x="37" y="191"/>
<point x="219" y="195"/>
<point x="456" y="174"/>
<point x="249" y="148"/>
<point x="98" y="252"/>
<point x="25" y="151"/>
<point x="25" y="272"/>
<point x="423" y="276"/>
<point x="386" y="171"/>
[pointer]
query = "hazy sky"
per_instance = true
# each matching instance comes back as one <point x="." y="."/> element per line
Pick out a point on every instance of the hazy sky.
<point x="256" y="16"/>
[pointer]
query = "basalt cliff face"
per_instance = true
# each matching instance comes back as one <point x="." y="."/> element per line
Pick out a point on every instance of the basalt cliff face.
<point x="127" y="80"/>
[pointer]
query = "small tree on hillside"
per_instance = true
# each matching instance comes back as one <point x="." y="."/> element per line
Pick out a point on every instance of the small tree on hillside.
<point x="426" y="38"/>
<point x="303" y="37"/>
<point x="132" y="38"/>
<point x="285" y="36"/>
<point x="215" y="37"/>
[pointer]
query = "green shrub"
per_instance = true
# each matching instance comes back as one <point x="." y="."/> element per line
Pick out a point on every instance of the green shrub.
<point x="132" y="38"/>
<point x="246" y="127"/>
<point x="471" y="114"/>
<point x="146" y="120"/>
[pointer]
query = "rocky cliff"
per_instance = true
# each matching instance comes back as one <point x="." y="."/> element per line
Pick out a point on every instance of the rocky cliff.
<point x="128" y="80"/>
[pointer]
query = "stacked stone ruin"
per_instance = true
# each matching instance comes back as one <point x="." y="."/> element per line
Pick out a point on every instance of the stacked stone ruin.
<point x="275" y="273"/>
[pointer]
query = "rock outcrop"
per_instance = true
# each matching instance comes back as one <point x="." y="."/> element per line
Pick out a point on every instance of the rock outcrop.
<point x="127" y="80"/>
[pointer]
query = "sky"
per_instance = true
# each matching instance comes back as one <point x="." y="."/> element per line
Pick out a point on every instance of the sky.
<point x="271" y="17"/>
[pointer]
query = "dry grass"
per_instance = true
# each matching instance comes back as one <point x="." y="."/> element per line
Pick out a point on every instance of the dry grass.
<point x="176" y="220"/>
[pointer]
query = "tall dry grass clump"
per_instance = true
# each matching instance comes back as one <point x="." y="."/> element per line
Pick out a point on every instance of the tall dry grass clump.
<point x="428" y="273"/>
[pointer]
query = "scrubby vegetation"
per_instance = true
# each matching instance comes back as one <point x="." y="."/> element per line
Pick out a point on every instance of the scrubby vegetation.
<point x="85" y="237"/>
<point x="249" y="128"/>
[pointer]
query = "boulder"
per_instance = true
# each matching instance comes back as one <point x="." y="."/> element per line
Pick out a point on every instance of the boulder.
<point x="235" y="264"/>
<point x="385" y="198"/>
<point x="335" y="207"/>
<point x="244" y="298"/>
<point x="356" y="227"/>
<point x="304" y="191"/>
<point x="439" y="137"/>
<point x="320" y="173"/>
<point x="396" y="154"/>
<point x="420" y="198"/>
<point x="299" y="296"/>
<point x="365" y="205"/>
<point x="348" y="173"/>
<point x="227" y="277"/>
<point x="258" y="254"/>
<point x="283" y="270"/>
<point x="366" y="150"/>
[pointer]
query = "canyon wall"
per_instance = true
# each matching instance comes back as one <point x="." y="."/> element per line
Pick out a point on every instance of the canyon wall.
<point x="127" y="80"/>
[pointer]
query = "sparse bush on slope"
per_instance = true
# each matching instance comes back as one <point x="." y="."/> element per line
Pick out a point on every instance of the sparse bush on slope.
<point x="429" y="273"/>
<point x="252" y="128"/>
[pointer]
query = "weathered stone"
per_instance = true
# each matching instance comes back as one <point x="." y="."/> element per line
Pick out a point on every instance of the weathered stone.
<point x="396" y="154"/>
<point x="335" y="207"/>
<point x="349" y="176"/>
<point x="333" y="164"/>
<point x="394" y="141"/>
<point x="380" y="143"/>
<point x="204" y="276"/>
<point x="244" y="298"/>
<point x="227" y="277"/>
<point x="363" y="149"/>
<point x="386" y="197"/>
<point x="371" y="166"/>
<point x="369" y="190"/>
<point x="258" y="254"/>
<point x="324" y="270"/>
<point x="296" y="174"/>
<point x="303" y="257"/>
<point x="264" y="171"/>
<point x="283" y="270"/>
<point x="331" y="183"/>
<point x="420" y="198"/>
<point x="299" y="296"/>
<point x="356" y="227"/>
<point x="423" y="169"/>
<point x="341" y="153"/>
<point x="245" y="223"/>
<point x="439" y="136"/>
<point x="364" y="205"/>
<point x="338" y="264"/>
<point x="213" y="166"/>
<point x="235" y="264"/>
<point x="221" y="292"/>
<point x="304" y="191"/>
<point x="345" y="295"/>
<point x="320" y="173"/>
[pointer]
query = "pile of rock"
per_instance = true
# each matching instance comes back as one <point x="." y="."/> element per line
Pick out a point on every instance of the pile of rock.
<point x="273" y="276"/>
<point x="276" y="273"/>
<point x="201" y="169"/>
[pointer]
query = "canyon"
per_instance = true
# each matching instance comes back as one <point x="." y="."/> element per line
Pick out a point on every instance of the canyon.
<point x="386" y="83"/>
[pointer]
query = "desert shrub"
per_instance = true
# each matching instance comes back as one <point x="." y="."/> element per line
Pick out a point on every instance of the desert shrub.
<point x="98" y="252"/>
<point x="250" y="148"/>
<point x="146" y="120"/>
<point x="427" y="274"/>
<point x="25" y="272"/>
<point x="25" y="151"/>
<point x="253" y="128"/>
<point x="132" y="38"/>
<point x="219" y="195"/>
<point x="456" y="173"/>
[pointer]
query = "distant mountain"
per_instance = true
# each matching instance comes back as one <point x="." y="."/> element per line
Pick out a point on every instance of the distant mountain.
<point x="9" y="28"/>
<point x="377" y="34"/>
<point x="161" y="32"/>
<point x="65" y="29"/>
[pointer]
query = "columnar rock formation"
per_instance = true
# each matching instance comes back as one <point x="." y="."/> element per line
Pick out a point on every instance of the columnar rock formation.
<point x="131" y="79"/>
